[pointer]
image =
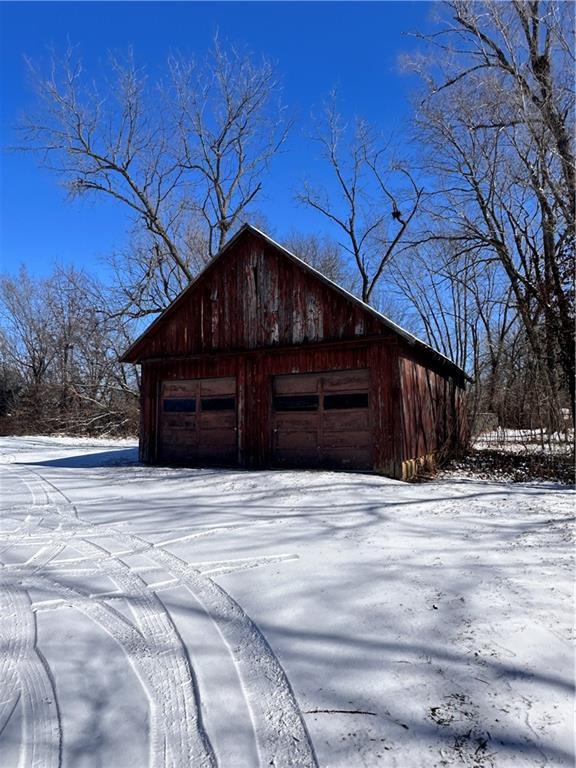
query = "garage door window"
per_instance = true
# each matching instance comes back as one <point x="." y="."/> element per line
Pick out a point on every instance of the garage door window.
<point x="296" y="403"/>
<point x="179" y="405"/>
<point x="336" y="402"/>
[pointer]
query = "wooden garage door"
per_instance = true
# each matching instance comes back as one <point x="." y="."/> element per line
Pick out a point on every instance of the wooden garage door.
<point x="198" y="422"/>
<point x="323" y="420"/>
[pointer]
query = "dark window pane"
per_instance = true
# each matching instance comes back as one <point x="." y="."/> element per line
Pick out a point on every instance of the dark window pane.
<point x="296" y="402"/>
<point x="218" y="403"/>
<point x="333" y="402"/>
<point x="179" y="405"/>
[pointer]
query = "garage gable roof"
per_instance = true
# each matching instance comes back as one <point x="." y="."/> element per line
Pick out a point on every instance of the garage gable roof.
<point x="133" y="353"/>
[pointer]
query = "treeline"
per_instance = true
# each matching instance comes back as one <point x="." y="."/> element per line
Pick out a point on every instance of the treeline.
<point x="59" y="349"/>
<point x="467" y="239"/>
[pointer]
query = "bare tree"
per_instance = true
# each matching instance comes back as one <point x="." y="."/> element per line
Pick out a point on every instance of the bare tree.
<point x="186" y="153"/>
<point x="59" y="349"/>
<point x="111" y="140"/>
<point x="464" y="309"/>
<point x="322" y="253"/>
<point x="27" y="328"/>
<point x="228" y="132"/>
<point x="373" y="205"/>
<point x="498" y="120"/>
<point x="145" y="280"/>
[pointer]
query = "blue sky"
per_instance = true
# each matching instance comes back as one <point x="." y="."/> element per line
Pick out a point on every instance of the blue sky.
<point x="353" y="46"/>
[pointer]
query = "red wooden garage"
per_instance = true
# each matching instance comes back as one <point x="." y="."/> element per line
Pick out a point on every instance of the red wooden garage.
<point x="264" y="362"/>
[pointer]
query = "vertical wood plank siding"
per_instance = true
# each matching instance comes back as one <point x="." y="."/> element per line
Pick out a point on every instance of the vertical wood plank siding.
<point x="255" y="314"/>
<point x="432" y="411"/>
<point x="254" y="373"/>
<point x="256" y="298"/>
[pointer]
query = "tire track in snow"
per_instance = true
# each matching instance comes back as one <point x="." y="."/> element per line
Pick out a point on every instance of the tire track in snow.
<point x="174" y="741"/>
<point x="281" y="735"/>
<point x="179" y="732"/>
<point x="156" y="652"/>
<point x="161" y="661"/>
<point x="22" y="661"/>
<point x="10" y="689"/>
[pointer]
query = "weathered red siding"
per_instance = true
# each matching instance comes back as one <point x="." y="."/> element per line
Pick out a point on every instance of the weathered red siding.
<point x="254" y="374"/>
<point x="431" y="410"/>
<point x="256" y="313"/>
<point x="253" y="298"/>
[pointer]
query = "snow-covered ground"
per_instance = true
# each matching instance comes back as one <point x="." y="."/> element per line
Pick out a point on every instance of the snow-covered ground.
<point x="522" y="440"/>
<point x="179" y="617"/>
